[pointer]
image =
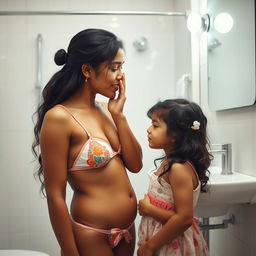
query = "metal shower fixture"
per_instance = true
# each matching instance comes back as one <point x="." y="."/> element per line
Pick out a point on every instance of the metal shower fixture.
<point x="213" y="43"/>
<point x="141" y="44"/>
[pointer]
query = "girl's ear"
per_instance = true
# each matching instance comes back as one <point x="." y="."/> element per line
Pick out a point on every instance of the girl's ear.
<point x="86" y="70"/>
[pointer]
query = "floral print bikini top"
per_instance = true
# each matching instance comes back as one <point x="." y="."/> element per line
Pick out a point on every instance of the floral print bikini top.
<point x="95" y="153"/>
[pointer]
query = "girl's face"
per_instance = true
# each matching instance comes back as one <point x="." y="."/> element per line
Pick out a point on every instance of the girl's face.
<point x="106" y="80"/>
<point x="158" y="137"/>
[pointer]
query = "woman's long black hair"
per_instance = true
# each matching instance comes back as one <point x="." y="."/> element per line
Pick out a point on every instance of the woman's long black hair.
<point x="90" y="46"/>
<point x="190" y="144"/>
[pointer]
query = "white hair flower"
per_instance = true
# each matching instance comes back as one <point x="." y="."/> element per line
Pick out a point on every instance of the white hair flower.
<point x="196" y="125"/>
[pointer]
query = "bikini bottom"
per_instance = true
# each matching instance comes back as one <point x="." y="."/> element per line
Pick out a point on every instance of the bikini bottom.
<point x="115" y="235"/>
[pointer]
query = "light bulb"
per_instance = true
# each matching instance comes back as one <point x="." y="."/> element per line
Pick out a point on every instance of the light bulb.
<point x="223" y="22"/>
<point x="194" y="22"/>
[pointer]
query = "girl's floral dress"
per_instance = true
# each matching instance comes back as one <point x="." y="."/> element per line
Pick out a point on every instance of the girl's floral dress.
<point x="191" y="242"/>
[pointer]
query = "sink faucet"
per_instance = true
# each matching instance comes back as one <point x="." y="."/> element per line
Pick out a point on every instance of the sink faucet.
<point x="226" y="157"/>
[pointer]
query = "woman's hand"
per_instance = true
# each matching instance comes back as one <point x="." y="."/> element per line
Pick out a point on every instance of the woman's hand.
<point x="115" y="106"/>
<point x="144" y="205"/>
<point x="145" y="250"/>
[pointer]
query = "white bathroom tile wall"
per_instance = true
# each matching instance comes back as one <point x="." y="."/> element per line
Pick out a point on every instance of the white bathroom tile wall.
<point x="19" y="240"/>
<point x="45" y="242"/>
<point x="18" y="199"/>
<point x="3" y="55"/>
<point x="38" y="212"/>
<point x="181" y="53"/>
<point x="47" y="5"/>
<point x="3" y="27"/>
<point x="230" y="242"/>
<point x="7" y="5"/>
<point x="4" y="81"/>
<point x="3" y="111"/>
<point x="16" y="24"/>
<point x="131" y="5"/>
<point x="16" y="92"/>
<point x="246" y="223"/>
<point x="227" y="245"/>
<point x="4" y="215"/>
<point x="4" y="240"/>
<point x="74" y="5"/>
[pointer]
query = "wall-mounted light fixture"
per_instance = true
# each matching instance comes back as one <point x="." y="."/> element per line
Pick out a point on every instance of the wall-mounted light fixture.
<point x="197" y="23"/>
<point x="223" y="22"/>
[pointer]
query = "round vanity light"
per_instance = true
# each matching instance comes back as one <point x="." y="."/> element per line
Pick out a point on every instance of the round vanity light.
<point x="223" y="22"/>
<point x="194" y="22"/>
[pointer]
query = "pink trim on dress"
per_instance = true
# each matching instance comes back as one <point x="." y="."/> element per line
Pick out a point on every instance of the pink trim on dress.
<point x="169" y="206"/>
<point x="160" y="203"/>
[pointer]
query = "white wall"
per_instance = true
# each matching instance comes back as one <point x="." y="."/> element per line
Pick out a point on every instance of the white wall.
<point x="24" y="222"/>
<point x="236" y="126"/>
<point x="182" y="50"/>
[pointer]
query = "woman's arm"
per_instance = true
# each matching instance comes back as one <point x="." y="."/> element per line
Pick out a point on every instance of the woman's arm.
<point x="148" y="209"/>
<point x="182" y="186"/>
<point x="54" y="144"/>
<point x="131" y="150"/>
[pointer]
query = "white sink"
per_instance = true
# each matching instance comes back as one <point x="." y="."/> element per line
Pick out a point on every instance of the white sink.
<point x="224" y="191"/>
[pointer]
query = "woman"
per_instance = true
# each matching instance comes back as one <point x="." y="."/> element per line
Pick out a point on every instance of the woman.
<point x="89" y="145"/>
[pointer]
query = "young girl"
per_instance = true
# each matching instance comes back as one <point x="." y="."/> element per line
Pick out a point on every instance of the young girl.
<point x="167" y="226"/>
<point x="89" y="145"/>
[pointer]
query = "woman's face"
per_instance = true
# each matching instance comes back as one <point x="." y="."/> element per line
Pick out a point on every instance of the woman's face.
<point x="106" y="80"/>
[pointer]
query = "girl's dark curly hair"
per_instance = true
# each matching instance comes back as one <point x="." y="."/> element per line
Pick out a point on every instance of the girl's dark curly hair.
<point x="90" y="46"/>
<point x="190" y="144"/>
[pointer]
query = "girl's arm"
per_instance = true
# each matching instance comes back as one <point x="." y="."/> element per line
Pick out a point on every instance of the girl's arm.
<point x="180" y="178"/>
<point x="54" y="143"/>
<point x="131" y="150"/>
<point x="148" y="209"/>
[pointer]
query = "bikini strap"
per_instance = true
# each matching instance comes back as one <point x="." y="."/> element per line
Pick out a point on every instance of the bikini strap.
<point x="75" y="119"/>
<point x="119" y="150"/>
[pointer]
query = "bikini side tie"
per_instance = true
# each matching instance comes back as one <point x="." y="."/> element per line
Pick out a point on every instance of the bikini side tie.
<point x="117" y="234"/>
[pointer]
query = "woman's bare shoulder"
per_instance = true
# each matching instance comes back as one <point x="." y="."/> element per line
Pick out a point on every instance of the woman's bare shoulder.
<point x="57" y="115"/>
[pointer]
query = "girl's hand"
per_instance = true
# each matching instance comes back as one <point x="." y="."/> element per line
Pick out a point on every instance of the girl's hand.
<point x="144" y="205"/>
<point x="145" y="250"/>
<point x="115" y="106"/>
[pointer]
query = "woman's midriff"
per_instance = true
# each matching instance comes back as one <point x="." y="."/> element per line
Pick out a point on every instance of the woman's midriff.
<point x="103" y="198"/>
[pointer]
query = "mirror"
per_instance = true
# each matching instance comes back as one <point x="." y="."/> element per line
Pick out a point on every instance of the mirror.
<point x="231" y="56"/>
